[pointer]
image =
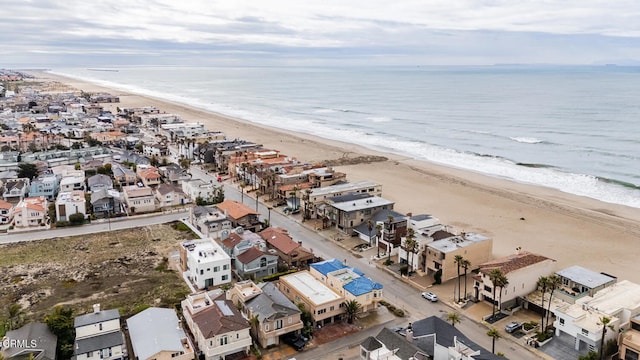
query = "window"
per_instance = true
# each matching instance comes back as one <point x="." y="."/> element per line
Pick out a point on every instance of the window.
<point x="225" y="267"/>
<point x="216" y="268"/>
<point x="266" y="327"/>
<point x="332" y="308"/>
<point x="90" y="354"/>
<point x="100" y="326"/>
<point x="224" y="341"/>
<point x="630" y="355"/>
<point x="322" y="311"/>
<point x="225" y="277"/>
<point x="263" y="262"/>
<point x="201" y="272"/>
<point x="585" y="332"/>
<point x="290" y="320"/>
<point x="561" y="321"/>
<point x="278" y="324"/>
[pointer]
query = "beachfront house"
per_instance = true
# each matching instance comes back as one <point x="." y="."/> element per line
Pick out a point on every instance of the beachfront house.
<point x="393" y="226"/>
<point x="139" y="199"/>
<point x="277" y="316"/>
<point x="348" y="282"/>
<point x="31" y="213"/>
<point x="441" y="254"/>
<point x="324" y="304"/>
<point x="98" y="335"/>
<point x="346" y="212"/>
<point x="581" y="323"/>
<point x="288" y="250"/>
<point x="218" y="328"/>
<point x="522" y="269"/>
<point x="629" y="341"/>
<point x="316" y="200"/>
<point x="157" y="333"/>
<point x="205" y="263"/>
<point x="41" y="343"/>
<point x="70" y="203"/>
<point x="210" y="221"/>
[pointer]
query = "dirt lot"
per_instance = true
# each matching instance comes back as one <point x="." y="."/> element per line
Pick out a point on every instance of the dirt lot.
<point x="127" y="269"/>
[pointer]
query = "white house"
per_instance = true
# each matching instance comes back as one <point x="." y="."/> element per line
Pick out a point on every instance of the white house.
<point x="98" y="335"/>
<point x="69" y="203"/>
<point x="139" y="199"/>
<point x="582" y="321"/>
<point x="522" y="271"/>
<point x="73" y="182"/>
<point x="217" y="326"/>
<point x="207" y="264"/>
<point x="156" y="333"/>
<point x="31" y="212"/>
<point x="198" y="188"/>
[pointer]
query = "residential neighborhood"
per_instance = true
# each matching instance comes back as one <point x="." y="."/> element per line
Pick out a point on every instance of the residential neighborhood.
<point x="256" y="287"/>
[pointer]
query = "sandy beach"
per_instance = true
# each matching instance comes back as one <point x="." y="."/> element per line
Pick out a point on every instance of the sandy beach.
<point x="570" y="229"/>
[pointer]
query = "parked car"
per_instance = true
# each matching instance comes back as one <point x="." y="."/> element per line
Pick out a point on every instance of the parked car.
<point x="297" y="341"/>
<point x="512" y="326"/>
<point x="430" y="296"/>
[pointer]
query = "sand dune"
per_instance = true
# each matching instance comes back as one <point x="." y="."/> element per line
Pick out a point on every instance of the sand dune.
<point x="571" y="229"/>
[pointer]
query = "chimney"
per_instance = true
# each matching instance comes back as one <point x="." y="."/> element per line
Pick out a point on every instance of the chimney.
<point x="96" y="308"/>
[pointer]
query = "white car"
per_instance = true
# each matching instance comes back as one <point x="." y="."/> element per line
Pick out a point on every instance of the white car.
<point x="430" y="296"/>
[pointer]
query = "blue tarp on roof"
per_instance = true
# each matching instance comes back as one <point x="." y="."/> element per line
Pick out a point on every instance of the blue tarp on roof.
<point x="362" y="285"/>
<point x="327" y="266"/>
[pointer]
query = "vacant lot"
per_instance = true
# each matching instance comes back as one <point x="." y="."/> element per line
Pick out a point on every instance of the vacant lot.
<point x="127" y="269"/>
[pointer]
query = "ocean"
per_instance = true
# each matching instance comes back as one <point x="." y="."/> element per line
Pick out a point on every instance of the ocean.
<point x="575" y="129"/>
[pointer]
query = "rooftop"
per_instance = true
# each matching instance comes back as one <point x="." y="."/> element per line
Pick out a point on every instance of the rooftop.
<point x="361" y="204"/>
<point x="154" y="330"/>
<point x="312" y="289"/>
<point x="586" y="277"/>
<point x="457" y="242"/>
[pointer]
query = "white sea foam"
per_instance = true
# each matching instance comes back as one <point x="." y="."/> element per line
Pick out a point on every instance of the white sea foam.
<point x="526" y="140"/>
<point x="379" y="119"/>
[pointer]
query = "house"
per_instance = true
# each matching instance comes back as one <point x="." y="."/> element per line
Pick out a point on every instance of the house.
<point x="31" y="212"/>
<point x="206" y="264"/>
<point x="210" y="221"/>
<point x="174" y="174"/>
<point x="139" y="199"/>
<point x="276" y="315"/>
<point x="155" y="149"/>
<point x="348" y="211"/>
<point x="629" y="341"/>
<point x="581" y="322"/>
<point x="98" y="335"/>
<point x="325" y="305"/>
<point x="241" y="240"/>
<point x="149" y="175"/>
<point x="441" y="254"/>
<point x="156" y="333"/>
<point x="240" y="215"/>
<point x="198" y="188"/>
<point x="393" y="227"/>
<point x="255" y="264"/>
<point x="288" y="250"/>
<point x="45" y="185"/>
<point x="578" y="282"/>
<point x="170" y="195"/>
<point x="6" y="212"/>
<point x="32" y="340"/>
<point x="123" y="175"/>
<point x="522" y="271"/>
<point x="348" y="282"/>
<point x="107" y="202"/>
<point x="389" y="345"/>
<point x="72" y="182"/>
<point x="69" y="203"/>
<point x="217" y="326"/>
<point x="99" y="182"/>
<point x="15" y="190"/>
<point x="317" y="197"/>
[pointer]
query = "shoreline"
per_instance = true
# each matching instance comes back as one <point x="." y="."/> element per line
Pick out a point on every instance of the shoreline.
<point x="572" y="229"/>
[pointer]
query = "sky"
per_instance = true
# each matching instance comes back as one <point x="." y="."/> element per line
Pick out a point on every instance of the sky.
<point x="54" y="33"/>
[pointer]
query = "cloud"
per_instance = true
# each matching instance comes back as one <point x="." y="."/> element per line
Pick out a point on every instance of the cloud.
<point x="461" y="31"/>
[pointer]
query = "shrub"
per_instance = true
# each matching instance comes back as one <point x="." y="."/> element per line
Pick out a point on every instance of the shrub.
<point x="76" y="219"/>
<point x="529" y="325"/>
<point x="387" y="262"/>
<point x="398" y="312"/>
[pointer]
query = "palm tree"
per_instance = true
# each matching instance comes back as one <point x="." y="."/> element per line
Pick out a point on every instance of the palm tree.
<point x="502" y="282"/>
<point x="605" y="322"/>
<point x="391" y="220"/>
<point x="458" y="261"/>
<point x="370" y="228"/>
<point x="465" y="265"/>
<point x="352" y="308"/>
<point x="494" y="335"/>
<point x="307" y="197"/>
<point x="258" y="193"/>
<point x="410" y="245"/>
<point x="453" y="318"/>
<point x="494" y="276"/>
<point x="254" y="321"/>
<point x="378" y="234"/>
<point x="553" y="282"/>
<point x="542" y="285"/>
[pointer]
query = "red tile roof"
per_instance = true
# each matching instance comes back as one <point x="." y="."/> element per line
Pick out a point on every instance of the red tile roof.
<point x="213" y="321"/>
<point x="279" y="238"/>
<point x="249" y="255"/>
<point x="235" y="210"/>
<point x="512" y="262"/>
